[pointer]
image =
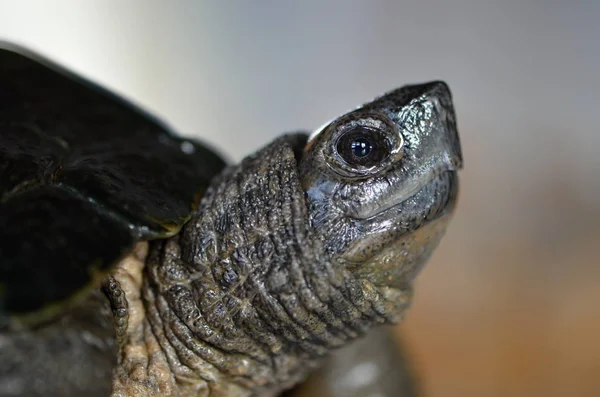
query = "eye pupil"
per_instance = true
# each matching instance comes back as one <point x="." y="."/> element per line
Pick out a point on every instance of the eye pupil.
<point x="361" y="147"/>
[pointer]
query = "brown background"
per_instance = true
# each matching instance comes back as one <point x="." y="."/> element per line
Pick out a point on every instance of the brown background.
<point x="509" y="305"/>
<point x="512" y="313"/>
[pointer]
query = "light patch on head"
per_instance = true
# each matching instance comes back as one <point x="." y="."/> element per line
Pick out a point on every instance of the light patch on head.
<point x="318" y="131"/>
<point x="321" y="128"/>
<point x="416" y="119"/>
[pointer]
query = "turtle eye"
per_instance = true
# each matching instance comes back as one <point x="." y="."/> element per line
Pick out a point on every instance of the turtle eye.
<point x="362" y="147"/>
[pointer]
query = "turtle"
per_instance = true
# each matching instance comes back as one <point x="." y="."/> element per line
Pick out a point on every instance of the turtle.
<point x="138" y="262"/>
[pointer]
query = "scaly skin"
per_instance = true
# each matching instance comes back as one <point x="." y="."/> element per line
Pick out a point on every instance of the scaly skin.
<point x="289" y="258"/>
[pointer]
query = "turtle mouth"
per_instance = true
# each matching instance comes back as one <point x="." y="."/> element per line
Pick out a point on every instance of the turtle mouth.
<point x="432" y="194"/>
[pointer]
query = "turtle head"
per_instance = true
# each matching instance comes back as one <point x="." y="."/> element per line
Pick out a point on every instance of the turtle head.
<point x="381" y="182"/>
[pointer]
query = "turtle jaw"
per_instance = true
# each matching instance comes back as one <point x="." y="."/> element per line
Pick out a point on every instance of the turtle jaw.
<point x="391" y="247"/>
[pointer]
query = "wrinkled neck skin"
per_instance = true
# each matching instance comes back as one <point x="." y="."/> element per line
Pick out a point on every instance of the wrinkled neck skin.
<point x="245" y="301"/>
<point x="298" y="250"/>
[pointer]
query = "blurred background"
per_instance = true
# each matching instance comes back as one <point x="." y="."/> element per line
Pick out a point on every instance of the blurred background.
<point x="510" y="303"/>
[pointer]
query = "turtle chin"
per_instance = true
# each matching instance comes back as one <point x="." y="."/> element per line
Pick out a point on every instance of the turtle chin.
<point x="394" y="245"/>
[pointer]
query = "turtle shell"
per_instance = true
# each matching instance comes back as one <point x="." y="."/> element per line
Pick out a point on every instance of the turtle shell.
<point x="83" y="176"/>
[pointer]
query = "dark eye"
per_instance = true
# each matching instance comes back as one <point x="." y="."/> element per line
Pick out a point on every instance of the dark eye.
<point x="362" y="147"/>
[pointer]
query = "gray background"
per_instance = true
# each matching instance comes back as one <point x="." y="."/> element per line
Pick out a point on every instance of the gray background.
<point x="508" y="305"/>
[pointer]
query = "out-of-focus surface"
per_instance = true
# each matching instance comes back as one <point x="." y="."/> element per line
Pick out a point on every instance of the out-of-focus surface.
<point x="509" y="305"/>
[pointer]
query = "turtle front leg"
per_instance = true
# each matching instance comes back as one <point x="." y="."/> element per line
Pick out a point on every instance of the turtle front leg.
<point x="375" y="365"/>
